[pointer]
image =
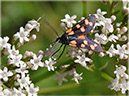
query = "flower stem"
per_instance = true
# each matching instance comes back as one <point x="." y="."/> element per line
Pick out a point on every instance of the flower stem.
<point x="58" y="88"/>
<point x="102" y="74"/>
<point x="84" y="8"/>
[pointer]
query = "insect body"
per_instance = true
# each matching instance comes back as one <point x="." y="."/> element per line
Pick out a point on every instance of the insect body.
<point x="76" y="36"/>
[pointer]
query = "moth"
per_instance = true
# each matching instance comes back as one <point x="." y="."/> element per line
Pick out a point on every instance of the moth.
<point x="76" y="36"/>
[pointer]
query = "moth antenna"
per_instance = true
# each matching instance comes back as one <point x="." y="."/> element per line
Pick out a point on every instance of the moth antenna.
<point x="50" y="25"/>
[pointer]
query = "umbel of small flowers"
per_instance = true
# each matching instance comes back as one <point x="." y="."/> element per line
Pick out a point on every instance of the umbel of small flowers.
<point x="110" y="33"/>
<point x="17" y="68"/>
<point x="121" y="82"/>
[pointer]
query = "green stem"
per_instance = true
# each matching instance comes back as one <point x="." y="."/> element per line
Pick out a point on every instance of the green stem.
<point x="84" y="8"/>
<point x="58" y="88"/>
<point x="102" y="74"/>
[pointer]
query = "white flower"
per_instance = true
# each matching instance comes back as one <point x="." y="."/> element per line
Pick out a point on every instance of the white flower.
<point x="101" y="54"/>
<point x="120" y="71"/>
<point x="69" y="20"/>
<point x="113" y="17"/>
<point x="28" y="54"/>
<point x="22" y="68"/>
<point x="24" y="81"/>
<point x="101" y="39"/>
<point x="7" y="92"/>
<point x="34" y="24"/>
<point x="112" y="38"/>
<point x="31" y="90"/>
<point x="125" y="2"/>
<point x="124" y="86"/>
<point x="17" y="92"/>
<point x="100" y="13"/>
<point x="15" y="60"/>
<point x="62" y="25"/>
<point x="72" y="52"/>
<point x="22" y="35"/>
<point x="33" y="37"/>
<point x="82" y="60"/>
<point x="77" y="77"/>
<point x="111" y="51"/>
<point x="60" y="78"/>
<point x="40" y="52"/>
<point x="105" y="22"/>
<point x="1" y="91"/>
<point x="115" y="84"/>
<point x="107" y="27"/>
<point x="123" y="38"/>
<point x="13" y="52"/>
<point x="100" y="18"/>
<point x="4" y="44"/>
<point x="122" y="51"/>
<point x="123" y="30"/>
<point x="49" y="64"/>
<point x="121" y="82"/>
<point x="36" y="62"/>
<point x="126" y="9"/>
<point x="5" y="74"/>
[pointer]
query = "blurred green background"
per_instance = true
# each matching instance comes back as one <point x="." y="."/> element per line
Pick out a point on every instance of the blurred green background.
<point x="17" y="14"/>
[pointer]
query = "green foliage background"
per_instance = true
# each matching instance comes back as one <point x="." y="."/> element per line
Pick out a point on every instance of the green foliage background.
<point x="17" y="13"/>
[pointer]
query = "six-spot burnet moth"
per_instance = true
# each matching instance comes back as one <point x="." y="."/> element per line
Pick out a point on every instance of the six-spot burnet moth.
<point x="76" y="36"/>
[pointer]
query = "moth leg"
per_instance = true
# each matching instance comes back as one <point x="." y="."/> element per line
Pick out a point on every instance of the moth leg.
<point x="56" y="50"/>
<point x="62" y="52"/>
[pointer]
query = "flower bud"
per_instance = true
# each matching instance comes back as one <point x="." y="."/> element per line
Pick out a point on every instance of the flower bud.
<point x="118" y="35"/>
<point x="33" y="37"/>
<point x="64" y="66"/>
<point x="123" y="38"/>
<point x="101" y="54"/>
<point x="113" y="17"/>
<point x="17" y="76"/>
<point x="123" y="67"/>
<point x="40" y="52"/>
<point x="125" y="57"/>
<point x="28" y="27"/>
<point x="125" y="76"/>
<point x="63" y="26"/>
<point x="90" y="52"/>
<point x="28" y="54"/>
<point x="118" y="29"/>
<point x="91" y="61"/>
<point x="126" y="9"/>
<point x="124" y="29"/>
<point x="128" y="45"/>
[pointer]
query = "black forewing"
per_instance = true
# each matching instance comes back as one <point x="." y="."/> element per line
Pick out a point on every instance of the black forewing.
<point x="88" y="28"/>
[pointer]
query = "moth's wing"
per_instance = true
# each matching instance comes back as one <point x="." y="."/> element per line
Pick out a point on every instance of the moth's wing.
<point x="83" y="27"/>
<point x="83" y="42"/>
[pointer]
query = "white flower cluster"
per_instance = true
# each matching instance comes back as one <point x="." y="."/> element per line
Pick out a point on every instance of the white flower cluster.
<point x="24" y="33"/>
<point x="125" y="4"/>
<point x="122" y="51"/>
<point x="17" y="68"/>
<point x="18" y="65"/>
<point x="111" y="34"/>
<point x="121" y="82"/>
<point x="61" y="77"/>
<point x="104" y="38"/>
